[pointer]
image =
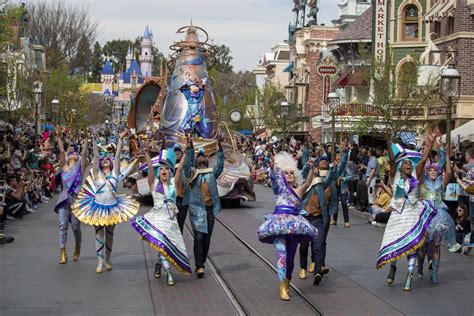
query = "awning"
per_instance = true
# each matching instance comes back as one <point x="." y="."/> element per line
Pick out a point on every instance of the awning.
<point x="353" y="78"/>
<point x="289" y="68"/>
<point x="465" y="132"/>
<point x="441" y="9"/>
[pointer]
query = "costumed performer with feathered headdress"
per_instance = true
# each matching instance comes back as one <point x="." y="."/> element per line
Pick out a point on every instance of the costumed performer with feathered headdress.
<point x="285" y="228"/>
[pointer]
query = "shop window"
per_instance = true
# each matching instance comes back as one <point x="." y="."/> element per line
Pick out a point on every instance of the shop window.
<point x="410" y="23"/>
<point x="450" y="25"/>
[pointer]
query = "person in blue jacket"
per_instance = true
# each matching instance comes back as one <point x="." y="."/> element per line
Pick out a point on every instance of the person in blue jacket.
<point x="204" y="202"/>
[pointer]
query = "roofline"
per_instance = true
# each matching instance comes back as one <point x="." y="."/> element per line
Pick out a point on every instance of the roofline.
<point x="349" y="41"/>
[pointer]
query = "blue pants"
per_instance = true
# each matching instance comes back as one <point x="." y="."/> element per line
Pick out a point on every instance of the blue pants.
<point x="66" y="217"/>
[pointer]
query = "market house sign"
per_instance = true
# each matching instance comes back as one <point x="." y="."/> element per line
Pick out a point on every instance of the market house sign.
<point x="380" y="29"/>
<point x="326" y="69"/>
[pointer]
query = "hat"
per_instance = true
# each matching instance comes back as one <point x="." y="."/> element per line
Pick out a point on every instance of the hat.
<point x="177" y="147"/>
<point x="167" y="159"/>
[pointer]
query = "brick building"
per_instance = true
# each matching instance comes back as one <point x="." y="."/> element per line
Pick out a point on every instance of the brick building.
<point x="451" y="24"/>
<point x="305" y="88"/>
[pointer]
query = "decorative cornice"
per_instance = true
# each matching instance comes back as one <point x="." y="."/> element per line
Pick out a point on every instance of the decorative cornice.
<point x="454" y="36"/>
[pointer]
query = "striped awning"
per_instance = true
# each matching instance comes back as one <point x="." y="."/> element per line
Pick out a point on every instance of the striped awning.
<point x="442" y="8"/>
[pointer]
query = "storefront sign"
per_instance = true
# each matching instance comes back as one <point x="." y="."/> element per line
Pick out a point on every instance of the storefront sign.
<point x="380" y="31"/>
<point x="440" y="111"/>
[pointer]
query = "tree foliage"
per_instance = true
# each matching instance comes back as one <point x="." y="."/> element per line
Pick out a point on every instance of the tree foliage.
<point x="62" y="29"/>
<point x="97" y="62"/>
<point x="116" y="51"/>
<point x="224" y="59"/>
<point x="396" y="99"/>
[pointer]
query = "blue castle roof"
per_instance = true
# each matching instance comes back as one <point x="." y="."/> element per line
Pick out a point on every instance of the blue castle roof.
<point x="134" y="67"/>
<point x="107" y="69"/>
<point x="148" y="33"/>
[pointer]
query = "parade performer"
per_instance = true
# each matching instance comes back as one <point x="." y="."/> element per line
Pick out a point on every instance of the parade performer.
<point x="320" y="203"/>
<point x="194" y="119"/>
<point x="410" y="217"/>
<point x="442" y="228"/>
<point x="159" y="227"/>
<point x="204" y="202"/>
<point x="100" y="205"/>
<point x="285" y="228"/>
<point x="182" y="189"/>
<point x="72" y="169"/>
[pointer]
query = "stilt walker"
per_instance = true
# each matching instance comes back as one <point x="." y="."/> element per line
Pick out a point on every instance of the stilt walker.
<point x="100" y="205"/>
<point x="72" y="170"/>
<point x="159" y="227"/>
<point x="410" y="217"/>
<point x="285" y="228"/>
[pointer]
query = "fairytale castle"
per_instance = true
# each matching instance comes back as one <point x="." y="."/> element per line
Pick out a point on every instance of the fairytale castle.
<point x="119" y="86"/>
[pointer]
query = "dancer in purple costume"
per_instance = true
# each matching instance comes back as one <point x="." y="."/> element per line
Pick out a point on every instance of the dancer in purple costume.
<point x="285" y="228"/>
<point x="72" y="171"/>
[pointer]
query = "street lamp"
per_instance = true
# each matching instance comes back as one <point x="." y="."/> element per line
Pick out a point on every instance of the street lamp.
<point x="38" y="91"/>
<point x="450" y="92"/>
<point x="54" y="109"/>
<point x="285" y="109"/>
<point x="333" y="103"/>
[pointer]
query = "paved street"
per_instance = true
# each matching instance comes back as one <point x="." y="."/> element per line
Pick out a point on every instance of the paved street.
<point x="33" y="283"/>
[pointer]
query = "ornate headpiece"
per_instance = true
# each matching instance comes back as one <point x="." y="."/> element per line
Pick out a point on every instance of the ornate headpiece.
<point x="401" y="154"/>
<point x="433" y="165"/>
<point x="167" y="159"/>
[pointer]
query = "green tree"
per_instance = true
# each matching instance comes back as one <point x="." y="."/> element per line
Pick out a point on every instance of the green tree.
<point x="82" y="61"/>
<point x="97" y="62"/>
<point x="73" y="104"/>
<point x="396" y="100"/>
<point x="116" y="51"/>
<point x="223" y="59"/>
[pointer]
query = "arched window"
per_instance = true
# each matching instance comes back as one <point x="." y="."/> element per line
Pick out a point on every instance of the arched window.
<point x="410" y="28"/>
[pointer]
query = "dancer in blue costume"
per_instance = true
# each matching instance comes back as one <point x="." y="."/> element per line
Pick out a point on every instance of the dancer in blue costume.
<point x="72" y="171"/>
<point x="442" y="229"/>
<point x="285" y="228"/>
<point x="194" y="119"/>
<point x="99" y="203"/>
<point x="410" y="217"/>
<point x="159" y="227"/>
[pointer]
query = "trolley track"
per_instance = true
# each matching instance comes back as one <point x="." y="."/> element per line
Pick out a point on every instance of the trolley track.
<point x="226" y="286"/>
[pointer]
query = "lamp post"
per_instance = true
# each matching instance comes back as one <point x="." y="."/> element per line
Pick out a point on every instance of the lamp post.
<point x="450" y="92"/>
<point x="285" y="109"/>
<point x="333" y="104"/>
<point x="38" y="91"/>
<point x="54" y="109"/>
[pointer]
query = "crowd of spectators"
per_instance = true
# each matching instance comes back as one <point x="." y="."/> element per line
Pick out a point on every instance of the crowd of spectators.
<point x="29" y="171"/>
<point x="365" y="185"/>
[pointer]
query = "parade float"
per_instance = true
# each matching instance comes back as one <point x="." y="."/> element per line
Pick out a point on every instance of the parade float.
<point x="183" y="103"/>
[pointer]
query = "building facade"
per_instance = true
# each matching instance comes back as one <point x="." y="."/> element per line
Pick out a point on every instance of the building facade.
<point x="349" y="10"/>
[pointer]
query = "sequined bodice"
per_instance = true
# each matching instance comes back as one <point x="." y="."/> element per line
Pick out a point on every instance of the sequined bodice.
<point x="106" y="186"/>
<point x="285" y="195"/>
<point x="433" y="191"/>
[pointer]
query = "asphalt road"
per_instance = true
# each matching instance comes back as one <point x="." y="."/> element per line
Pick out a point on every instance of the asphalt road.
<point x="33" y="283"/>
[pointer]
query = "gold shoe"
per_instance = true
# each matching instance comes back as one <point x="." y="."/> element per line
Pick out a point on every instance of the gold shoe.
<point x="347" y="224"/>
<point x="108" y="266"/>
<point x="200" y="272"/>
<point x="99" y="269"/>
<point x="77" y="252"/>
<point x="283" y="292"/>
<point x="302" y="274"/>
<point x="287" y="285"/>
<point x="333" y="222"/>
<point x="63" y="256"/>
<point x="311" y="267"/>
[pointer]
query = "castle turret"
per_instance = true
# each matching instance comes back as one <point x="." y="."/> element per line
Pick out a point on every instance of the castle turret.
<point x="129" y="58"/>
<point x="107" y="77"/>
<point x="146" y="57"/>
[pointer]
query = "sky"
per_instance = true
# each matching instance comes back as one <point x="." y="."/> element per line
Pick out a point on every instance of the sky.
<point x="249" y="27"/>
